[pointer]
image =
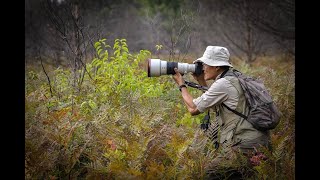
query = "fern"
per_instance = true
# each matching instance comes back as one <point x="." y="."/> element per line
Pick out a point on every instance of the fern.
<point x="124" y="125"/>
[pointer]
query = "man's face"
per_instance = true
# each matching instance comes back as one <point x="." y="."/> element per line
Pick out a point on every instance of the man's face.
<point x="210" y="72"/>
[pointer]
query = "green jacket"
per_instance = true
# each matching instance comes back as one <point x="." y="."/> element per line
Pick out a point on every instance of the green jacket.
<point x="235" y="131"/>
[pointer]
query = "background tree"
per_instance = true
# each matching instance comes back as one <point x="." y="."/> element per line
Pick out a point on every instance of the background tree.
<point x="278" y="19"/>
<point x="244" y="38"/>
<point x="171" y="24"/>
<point x="181" y="27"/>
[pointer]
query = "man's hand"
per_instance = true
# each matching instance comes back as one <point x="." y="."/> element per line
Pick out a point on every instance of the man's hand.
<point x="200" y="79"/>
<point x="187" y="98"/>
<point x="178" y="77"/>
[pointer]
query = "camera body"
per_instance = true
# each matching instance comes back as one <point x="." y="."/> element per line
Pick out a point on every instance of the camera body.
<point x="157" y="67"/>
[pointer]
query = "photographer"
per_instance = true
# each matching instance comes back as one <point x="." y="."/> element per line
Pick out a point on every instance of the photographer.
<point x="235" y="133"/>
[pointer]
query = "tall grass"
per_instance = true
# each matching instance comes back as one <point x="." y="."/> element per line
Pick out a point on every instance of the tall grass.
<point x="124" y="125"/>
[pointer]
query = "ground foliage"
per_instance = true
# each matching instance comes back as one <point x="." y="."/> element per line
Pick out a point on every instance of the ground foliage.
<point x="120" y="124"/>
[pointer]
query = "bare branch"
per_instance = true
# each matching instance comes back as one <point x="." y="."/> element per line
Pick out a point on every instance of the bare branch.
<point x="49" y="82"/>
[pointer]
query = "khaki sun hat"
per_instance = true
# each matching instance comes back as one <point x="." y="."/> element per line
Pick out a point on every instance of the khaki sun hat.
<point x="215" y="56"/>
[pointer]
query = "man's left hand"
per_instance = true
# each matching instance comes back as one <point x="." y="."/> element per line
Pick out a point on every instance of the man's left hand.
<point x="178" y="77"/>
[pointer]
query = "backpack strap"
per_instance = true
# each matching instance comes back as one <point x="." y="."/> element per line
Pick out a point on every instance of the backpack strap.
<point x="236" y="112"/>
<point x="224" y="73"/>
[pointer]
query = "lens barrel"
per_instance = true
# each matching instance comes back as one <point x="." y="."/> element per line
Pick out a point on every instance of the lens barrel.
<point x="199" y="68"/>
<point x="157" y="67"/>
<point x="171" y="66"/>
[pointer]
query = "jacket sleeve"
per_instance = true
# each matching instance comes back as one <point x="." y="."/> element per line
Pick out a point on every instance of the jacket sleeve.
<point x="216" y="94"/>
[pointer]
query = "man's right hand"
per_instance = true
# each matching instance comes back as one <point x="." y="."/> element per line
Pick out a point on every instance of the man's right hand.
<point x="199" y="78"/>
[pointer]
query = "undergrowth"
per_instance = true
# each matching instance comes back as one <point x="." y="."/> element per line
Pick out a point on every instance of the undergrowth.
<point x="120" y="124"/>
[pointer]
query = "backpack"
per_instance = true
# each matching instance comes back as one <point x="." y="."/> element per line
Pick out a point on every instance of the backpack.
<point x="263" y="113"/>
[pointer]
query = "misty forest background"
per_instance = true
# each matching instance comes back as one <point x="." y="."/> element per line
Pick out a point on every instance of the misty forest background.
<point x="91" y="112"/>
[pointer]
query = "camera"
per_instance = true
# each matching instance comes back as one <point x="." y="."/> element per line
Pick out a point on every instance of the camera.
<point x="157" y="67"/>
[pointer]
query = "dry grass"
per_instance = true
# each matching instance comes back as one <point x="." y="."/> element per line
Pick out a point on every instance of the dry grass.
<point x="126" y="136"/>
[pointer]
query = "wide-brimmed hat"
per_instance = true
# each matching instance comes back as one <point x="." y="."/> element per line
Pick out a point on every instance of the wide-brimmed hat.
<point x="215" y="56"/>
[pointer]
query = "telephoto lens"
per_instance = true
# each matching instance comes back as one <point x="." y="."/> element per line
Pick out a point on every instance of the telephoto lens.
<point x="157" y="67"/>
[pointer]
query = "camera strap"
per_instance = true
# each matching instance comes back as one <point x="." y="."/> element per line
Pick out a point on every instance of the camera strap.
<point x="205" y="121"/>
<point x="195" y="85"/>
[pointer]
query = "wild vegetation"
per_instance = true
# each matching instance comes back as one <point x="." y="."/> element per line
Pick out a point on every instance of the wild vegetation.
<point x="111" y="121"/>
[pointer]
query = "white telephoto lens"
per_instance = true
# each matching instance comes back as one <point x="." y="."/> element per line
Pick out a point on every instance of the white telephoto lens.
<point x="184" y="68"/>
<point x="156" y="67"/>
<point x="163" y="67"/>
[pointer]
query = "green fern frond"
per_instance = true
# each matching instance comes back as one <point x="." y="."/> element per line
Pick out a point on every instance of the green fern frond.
<point x="279" y="149"/>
